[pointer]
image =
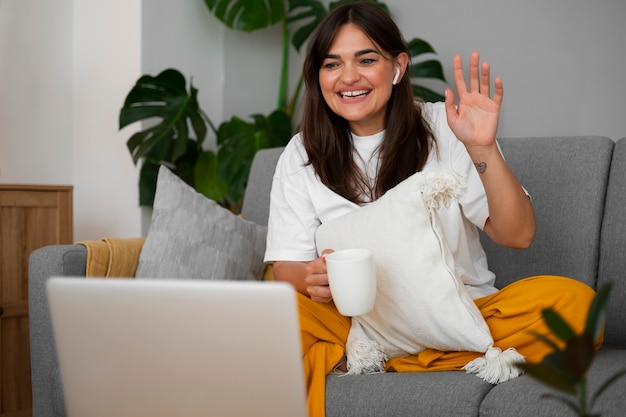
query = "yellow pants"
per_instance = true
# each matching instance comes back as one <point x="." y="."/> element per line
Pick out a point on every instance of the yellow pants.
<point x="511" y="314"/>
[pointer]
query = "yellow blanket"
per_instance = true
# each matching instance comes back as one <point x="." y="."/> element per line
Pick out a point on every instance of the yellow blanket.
<point x="118" y="258"/>
<point x="513" y="315"/>
<point x="112" y="257"/>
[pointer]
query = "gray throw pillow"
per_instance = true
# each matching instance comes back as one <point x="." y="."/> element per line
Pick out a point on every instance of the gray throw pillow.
<point x="191" y="236"/>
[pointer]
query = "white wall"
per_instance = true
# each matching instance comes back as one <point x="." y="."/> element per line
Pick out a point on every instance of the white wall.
<point x="66" y="66"/>
<point x="35" y="91"/>
<point x="562" y="61"/>
<point x="106" y="62"/>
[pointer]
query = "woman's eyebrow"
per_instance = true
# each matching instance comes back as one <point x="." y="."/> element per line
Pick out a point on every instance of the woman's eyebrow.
<point x="356" y="54"/>
<point x="366" y="51"/>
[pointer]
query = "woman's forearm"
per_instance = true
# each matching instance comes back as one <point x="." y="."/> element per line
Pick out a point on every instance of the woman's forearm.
<point x="511" y="220"/>
<point x="292" y="272"/>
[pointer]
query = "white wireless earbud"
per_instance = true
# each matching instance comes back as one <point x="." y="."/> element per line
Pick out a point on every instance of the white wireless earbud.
<point x="396" y="77"/>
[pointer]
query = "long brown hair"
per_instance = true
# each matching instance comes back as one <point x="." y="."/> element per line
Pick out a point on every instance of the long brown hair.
<point x="327" y="139"/>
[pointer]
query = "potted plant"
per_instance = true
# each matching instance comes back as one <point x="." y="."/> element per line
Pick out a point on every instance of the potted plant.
<point x="565" y="369"/>
<point x="177" y="140"/>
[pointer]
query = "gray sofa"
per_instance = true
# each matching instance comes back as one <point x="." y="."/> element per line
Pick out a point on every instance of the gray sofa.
<point x="578" y="186"/>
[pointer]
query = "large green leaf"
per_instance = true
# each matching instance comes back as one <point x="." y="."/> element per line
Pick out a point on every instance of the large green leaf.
<point x="148" y="173"/>
<point x="557" y="325"/>
<point x="207" y="181"/>
<point x="579" y="354"/>
<point x="430" y="69"/>
<point x="163" y="98"/>
<point x="239" y="141"/>
<point x="426" y="93"/>
<point x="418" y="46"/>
<point x="248" y="15"/>
<point x="549" y="376"/>
<point x="146" y="144"/>
<point x="147" y="183"/>
<point x="308" y="14"/>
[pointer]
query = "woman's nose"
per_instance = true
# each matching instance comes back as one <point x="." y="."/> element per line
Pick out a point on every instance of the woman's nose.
<point x="350" y="74"/>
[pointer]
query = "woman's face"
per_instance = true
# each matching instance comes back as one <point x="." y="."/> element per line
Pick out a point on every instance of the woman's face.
<point x="356" y="80"/>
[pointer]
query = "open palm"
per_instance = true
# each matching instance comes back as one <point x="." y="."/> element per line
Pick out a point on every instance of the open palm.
<point x="475" y="120"/>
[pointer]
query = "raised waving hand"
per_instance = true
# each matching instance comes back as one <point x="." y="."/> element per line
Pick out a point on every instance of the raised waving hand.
<point x="474" y="120"/>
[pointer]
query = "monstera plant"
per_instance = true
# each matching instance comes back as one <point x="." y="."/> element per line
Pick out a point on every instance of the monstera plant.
<point x="177" y="140"/>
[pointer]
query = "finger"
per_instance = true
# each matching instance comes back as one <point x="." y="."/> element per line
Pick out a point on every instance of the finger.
<point x="499" y="93"/>
<point x="459" y="78"/>
<point x="316" y="272"/>
<point x="316" y="280"/>
<point x="314" y="268"/>
<point x="485" y="79"/>
<point x="473" y="72"/>
<point x="320" y="294"/>
<point x="451" y="111"/>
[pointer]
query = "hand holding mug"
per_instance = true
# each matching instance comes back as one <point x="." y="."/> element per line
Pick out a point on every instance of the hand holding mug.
<point x="317" y="279"/>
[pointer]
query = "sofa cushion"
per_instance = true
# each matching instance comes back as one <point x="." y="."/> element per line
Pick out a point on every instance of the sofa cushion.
<point x="191" y="236"/>
<point x="566" y="178"/>
<point x="523" y="397"/>
<point x="409" y="394"/>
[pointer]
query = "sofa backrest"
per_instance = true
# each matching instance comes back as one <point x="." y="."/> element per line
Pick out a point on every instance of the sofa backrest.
<point x="256" y="199"/>
<point x="612" y="266"/>
<point x="567" y="180"/>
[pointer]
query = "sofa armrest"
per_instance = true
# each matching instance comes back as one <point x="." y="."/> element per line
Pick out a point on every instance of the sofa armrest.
<point x="46" y="262"/>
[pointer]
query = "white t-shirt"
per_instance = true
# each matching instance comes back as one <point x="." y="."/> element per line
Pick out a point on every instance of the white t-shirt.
<point x="300" y="203"/>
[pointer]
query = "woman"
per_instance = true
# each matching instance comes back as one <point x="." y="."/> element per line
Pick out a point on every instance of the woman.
<point x="362" y="133"/>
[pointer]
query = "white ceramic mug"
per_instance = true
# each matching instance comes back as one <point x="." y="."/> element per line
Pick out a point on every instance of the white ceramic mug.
<point x="352" y="280"/>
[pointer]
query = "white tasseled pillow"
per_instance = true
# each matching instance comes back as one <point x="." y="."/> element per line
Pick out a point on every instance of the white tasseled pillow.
<point x="420" y="302"/>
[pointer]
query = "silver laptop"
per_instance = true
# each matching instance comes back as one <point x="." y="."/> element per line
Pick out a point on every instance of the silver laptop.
<point x="177" y="348"/>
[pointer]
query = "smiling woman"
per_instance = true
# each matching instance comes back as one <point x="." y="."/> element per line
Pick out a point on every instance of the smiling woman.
<point x="350" y="73"/>
<point x="363" y="136"/>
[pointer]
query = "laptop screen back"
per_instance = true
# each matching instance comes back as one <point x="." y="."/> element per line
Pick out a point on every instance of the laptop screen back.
<point x="177" y="348"/>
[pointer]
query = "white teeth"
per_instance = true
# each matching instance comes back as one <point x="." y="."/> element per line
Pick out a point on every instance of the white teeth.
<point x="354" y="93"/>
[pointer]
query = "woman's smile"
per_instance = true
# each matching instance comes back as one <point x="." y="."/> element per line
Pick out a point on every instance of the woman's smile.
<point x="355" y="94"/>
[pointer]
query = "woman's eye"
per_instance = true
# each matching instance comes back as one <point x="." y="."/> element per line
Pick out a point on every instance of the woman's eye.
<point x="367" y="61"/>
<point x="330" y="65"/>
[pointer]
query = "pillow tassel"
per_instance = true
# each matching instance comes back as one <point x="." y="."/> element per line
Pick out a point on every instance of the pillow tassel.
<point x="496" y="366"/>
<point x="365" y="357"/>
<point x="440" y="189"/>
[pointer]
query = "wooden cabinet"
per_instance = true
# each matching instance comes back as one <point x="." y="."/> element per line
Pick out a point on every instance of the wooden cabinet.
<point x="31" y="216"/>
